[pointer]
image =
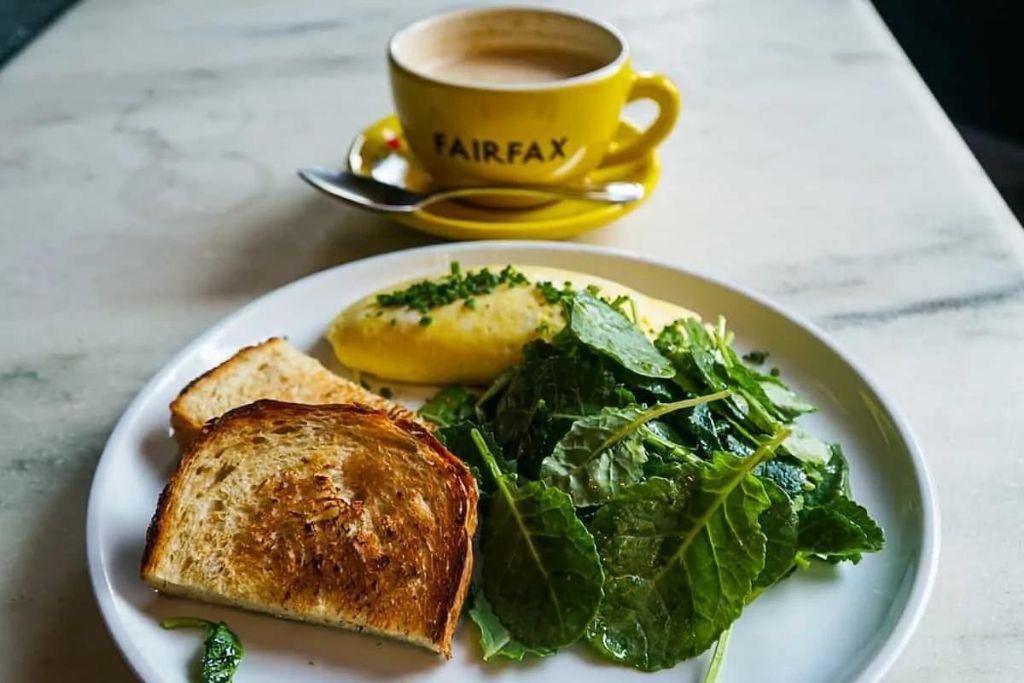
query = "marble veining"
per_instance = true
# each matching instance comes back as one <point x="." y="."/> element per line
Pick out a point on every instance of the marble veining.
<point x="147" y="189"/>
<point x="974" y="301"/>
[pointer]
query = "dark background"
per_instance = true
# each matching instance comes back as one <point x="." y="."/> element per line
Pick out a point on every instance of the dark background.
<point x="969" y="52"/>
<point x="971" y="55"/>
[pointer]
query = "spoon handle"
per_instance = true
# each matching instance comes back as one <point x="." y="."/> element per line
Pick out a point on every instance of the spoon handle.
<point x="612" y="193"/>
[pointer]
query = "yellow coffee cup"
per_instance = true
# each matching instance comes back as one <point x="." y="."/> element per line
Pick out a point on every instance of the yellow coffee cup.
<point x="520" y="96"/>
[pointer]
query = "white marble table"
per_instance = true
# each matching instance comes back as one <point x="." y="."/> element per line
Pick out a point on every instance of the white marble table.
<point x="147" y="189"/>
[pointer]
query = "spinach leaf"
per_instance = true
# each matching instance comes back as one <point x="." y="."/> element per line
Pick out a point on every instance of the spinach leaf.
<point x="681" y="557"/>
<point x="458" y="438"/>
<point x="779" y="525"/>
<point x="450" y="405"/>
<point x="605" y="330"/>
<point x="603" y="452"/>
<point x="222" y="651"/>
<point x="839" y="530"/>
<point x="552" y="388"/>
<point x="495" y="640"/>
<point x="541" y="573"/>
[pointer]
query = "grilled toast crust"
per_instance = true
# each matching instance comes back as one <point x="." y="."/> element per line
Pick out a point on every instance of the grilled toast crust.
<point x="402" y="573"/>
<point x="298" y="378"/>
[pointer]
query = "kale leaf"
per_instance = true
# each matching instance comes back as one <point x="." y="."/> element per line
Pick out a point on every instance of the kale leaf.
<point x="541" y="572"/>
<point x="807" y="448"/>
<point x="785" y="401"/>
<point x="705" y="361"/>
<point x="833" y="527"/>
<point x="458" y="438"/>
<point x="839" y="530"/>
<point x="786" y="473"/>
<point x="681" y="558"/>
<point x="222" y="651"/>
<point x="831" y="481"/>
<point x="450" y="405"/>
<point x="779" y="524"/>
<point x="495" y="640"/>
<point x="552" y="388"/>
<point x="605" y="330"/>
<point x="603" y="452"/>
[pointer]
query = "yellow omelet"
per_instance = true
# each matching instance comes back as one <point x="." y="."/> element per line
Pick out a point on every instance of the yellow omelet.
<point x="471" y="345"/>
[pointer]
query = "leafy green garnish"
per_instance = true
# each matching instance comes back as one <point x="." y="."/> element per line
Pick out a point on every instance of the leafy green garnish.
<point x="458" y="438"/>
<point x="831" y="481"/>
<point x="641" y="494"/>
<point x="553" y="387"/>
<point x="705" y="361"/>
<point x="541" y="572"/>
<point x="425" y="295"/>
<point x="495" y="639"/>
<point x="807" y="448"/>
<point x="450" y="405"/>
<point x="756" y="357"/>
<point x="779" y="524"/>
<point x="681" y="557"/>
<point x="839" y="530"/>
<point x="785" y="401"/>
<point x="786" y="473"/>
<point x="604" y="451"/>
<point x="553" y="294"/>
<point x="222" y="651"/>
<point x="605" y="330"/>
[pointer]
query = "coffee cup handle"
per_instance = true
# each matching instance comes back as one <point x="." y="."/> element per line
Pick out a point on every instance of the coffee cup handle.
<point x="648" y="86"/>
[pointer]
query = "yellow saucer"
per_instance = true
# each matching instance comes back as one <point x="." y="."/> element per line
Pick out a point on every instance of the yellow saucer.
<point x="380" y="151"/>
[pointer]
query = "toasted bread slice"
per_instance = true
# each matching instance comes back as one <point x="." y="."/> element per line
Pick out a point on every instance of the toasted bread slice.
<point x="332" y="514"/>
<point x="274" y="369"/>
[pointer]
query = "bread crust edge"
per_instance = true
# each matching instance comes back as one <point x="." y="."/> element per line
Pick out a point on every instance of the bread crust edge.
<point x="185" y="430"/>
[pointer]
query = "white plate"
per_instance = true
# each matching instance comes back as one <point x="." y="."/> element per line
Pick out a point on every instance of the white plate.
<point x="830" y="624"/>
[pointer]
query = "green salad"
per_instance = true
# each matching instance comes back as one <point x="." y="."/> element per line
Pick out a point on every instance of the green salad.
<point x="637" y="495"/>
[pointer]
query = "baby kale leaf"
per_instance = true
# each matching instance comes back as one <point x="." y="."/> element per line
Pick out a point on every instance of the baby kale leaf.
<point x="458" y="438"/>
<point x="839" y="530"/>
<point x="495" y="639"/>
<point x="541" y="573"/>
<point x="605" y="451"/>
<point x="786" y="473"/>
<point x="552" y="388"/>
<point x="779" y="524"/>
<point x="681" y="557"/>
<point x="605" y="330"/>
<point x="450" y="405"/>
<point x="830" y="481"/>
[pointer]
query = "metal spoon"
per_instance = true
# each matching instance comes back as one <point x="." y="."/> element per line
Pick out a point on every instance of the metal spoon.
<point x="373" y="194"/>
